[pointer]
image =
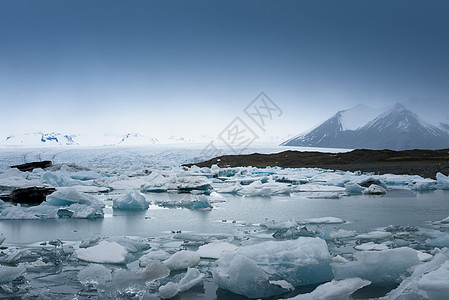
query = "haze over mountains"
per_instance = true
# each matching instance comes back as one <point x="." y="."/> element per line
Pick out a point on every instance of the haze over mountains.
<point x="398" y="127"/>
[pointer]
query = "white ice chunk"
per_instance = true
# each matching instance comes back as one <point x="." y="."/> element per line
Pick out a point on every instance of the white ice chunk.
<point x="248" y="270"/>
<point x="374" y="235"/>
<point x="153" y="255"/>
<point x="131" y="201"/>
<point x="59" y="179"/>
<point x="168" y="291"/>
<point x="131" y="245"/>
<point x="445" y="220"/>
<point x="8" y="274"/>
<point x="342" y="233"/>
<point x="105" y="252"/>
<point x="154" y="270"/>
<point x="259" y="189"/>
<point x="156" y="183"/>
<point x="324" y="220"/>
<point x="353" y="188"/>
<point x="182" y="260"/>
<point x="370" y="246"/>
<point x="385" y="266"/>
<point x="442" y="181"/>
<point x="301" y="262"/>
<point x="42" y="211"/>
<point x="335" y="290"/>
<point x="67" y="195"/>
<point x="192" y="278"/>
<point x="241" y="275"/>
<point x="375" y="189"/>
<point x="214" y="249"/>
<point x="434" y="285"/>
<point x="422" y="184"/>
<point x="96" y="275"/>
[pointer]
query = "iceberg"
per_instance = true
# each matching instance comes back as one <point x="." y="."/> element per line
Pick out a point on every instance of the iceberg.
<point x="168" y="291"/>
<point x="215" y="249"/>
<point x="8" y="274"/>
<point x="131" y="201"/>
<point x="249" y="270"/>
<point x="104" y="253"/>
<point x="385" y="266"/>
<point x="442" y="181"/>
<point x="192" y="278"/>
<point x="182" y="260"/>
<point x="336" y="289"/>
<point x="95" y="275"/>
<point x="241" y="275"/>
<point x="65" y="196"/>
<point x="353" y="188"/>
<point x="428" y="281"/>
<point x="324" y="220"/>
<point x="151" y="256"/>
<point x="374" y="235"/>
<point x="375" y="189"/>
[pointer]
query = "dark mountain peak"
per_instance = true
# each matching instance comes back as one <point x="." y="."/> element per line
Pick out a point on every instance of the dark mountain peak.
<point x="397" y="129"/>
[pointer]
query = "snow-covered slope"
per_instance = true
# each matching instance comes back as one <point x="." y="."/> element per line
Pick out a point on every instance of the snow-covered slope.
<point x="37" y="139"/>
<point x="397" y="128"/>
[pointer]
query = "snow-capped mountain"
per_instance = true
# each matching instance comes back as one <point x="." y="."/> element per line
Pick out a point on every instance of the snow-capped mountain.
<point x="395" y="128"/>
<point x="38" y="139"/>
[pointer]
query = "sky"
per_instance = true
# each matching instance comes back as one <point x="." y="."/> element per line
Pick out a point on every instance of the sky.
<point x="187" y="68"/>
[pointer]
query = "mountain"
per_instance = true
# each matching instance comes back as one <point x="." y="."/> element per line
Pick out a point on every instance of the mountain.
<point x="37" y="139"/>
<point x="396" y="128"/>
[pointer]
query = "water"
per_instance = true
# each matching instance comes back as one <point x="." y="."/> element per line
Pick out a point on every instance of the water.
<point x="363" y="213"/>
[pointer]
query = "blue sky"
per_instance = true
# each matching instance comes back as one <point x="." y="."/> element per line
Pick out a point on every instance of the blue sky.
<point x="183" y="67"/>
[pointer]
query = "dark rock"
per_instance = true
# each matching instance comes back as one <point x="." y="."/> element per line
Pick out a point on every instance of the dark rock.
<point x="366" y="183"/>
<point x="31" y="195"/>
<point x="33" y="165"/>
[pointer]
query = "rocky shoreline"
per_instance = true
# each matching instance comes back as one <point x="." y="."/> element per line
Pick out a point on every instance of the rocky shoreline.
<point x="425" y="163"/>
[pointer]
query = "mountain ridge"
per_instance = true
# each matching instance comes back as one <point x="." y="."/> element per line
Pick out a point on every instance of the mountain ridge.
<point x="397" y="128"/>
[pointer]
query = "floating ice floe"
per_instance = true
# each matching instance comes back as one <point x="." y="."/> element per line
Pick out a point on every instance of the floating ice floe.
<point x="251" y="270"/>
<point x="156" y="183"/>
<point x="104" y="253"/>
<point x="190" y="183"/>
<point x="8" y="274"/>
<point x="131" y="201"/>
<point x="152" y="256"/>
<point x="442" y="181"/>
<point x="386" y="266"/>
<point x="214" y="249"/>
<point x="374" y="235"/>
<point x="65" y="196"/>
<point x="59" y="179"/>
<point x="182" y="260"/>
<point x="323" y="220"/>
<point x="375" y="189"/>
<point x="370" y="246"/>
<point x="241" y="275"/>
<point x="95" y="275"/>
<point x="130" y="245"/>
<point x="11" y="179"/>
<point x="336" y="289"/>
<point x="168" y="291"/>
<point x="353" y="188"/>
<point x="428" y="281"/>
